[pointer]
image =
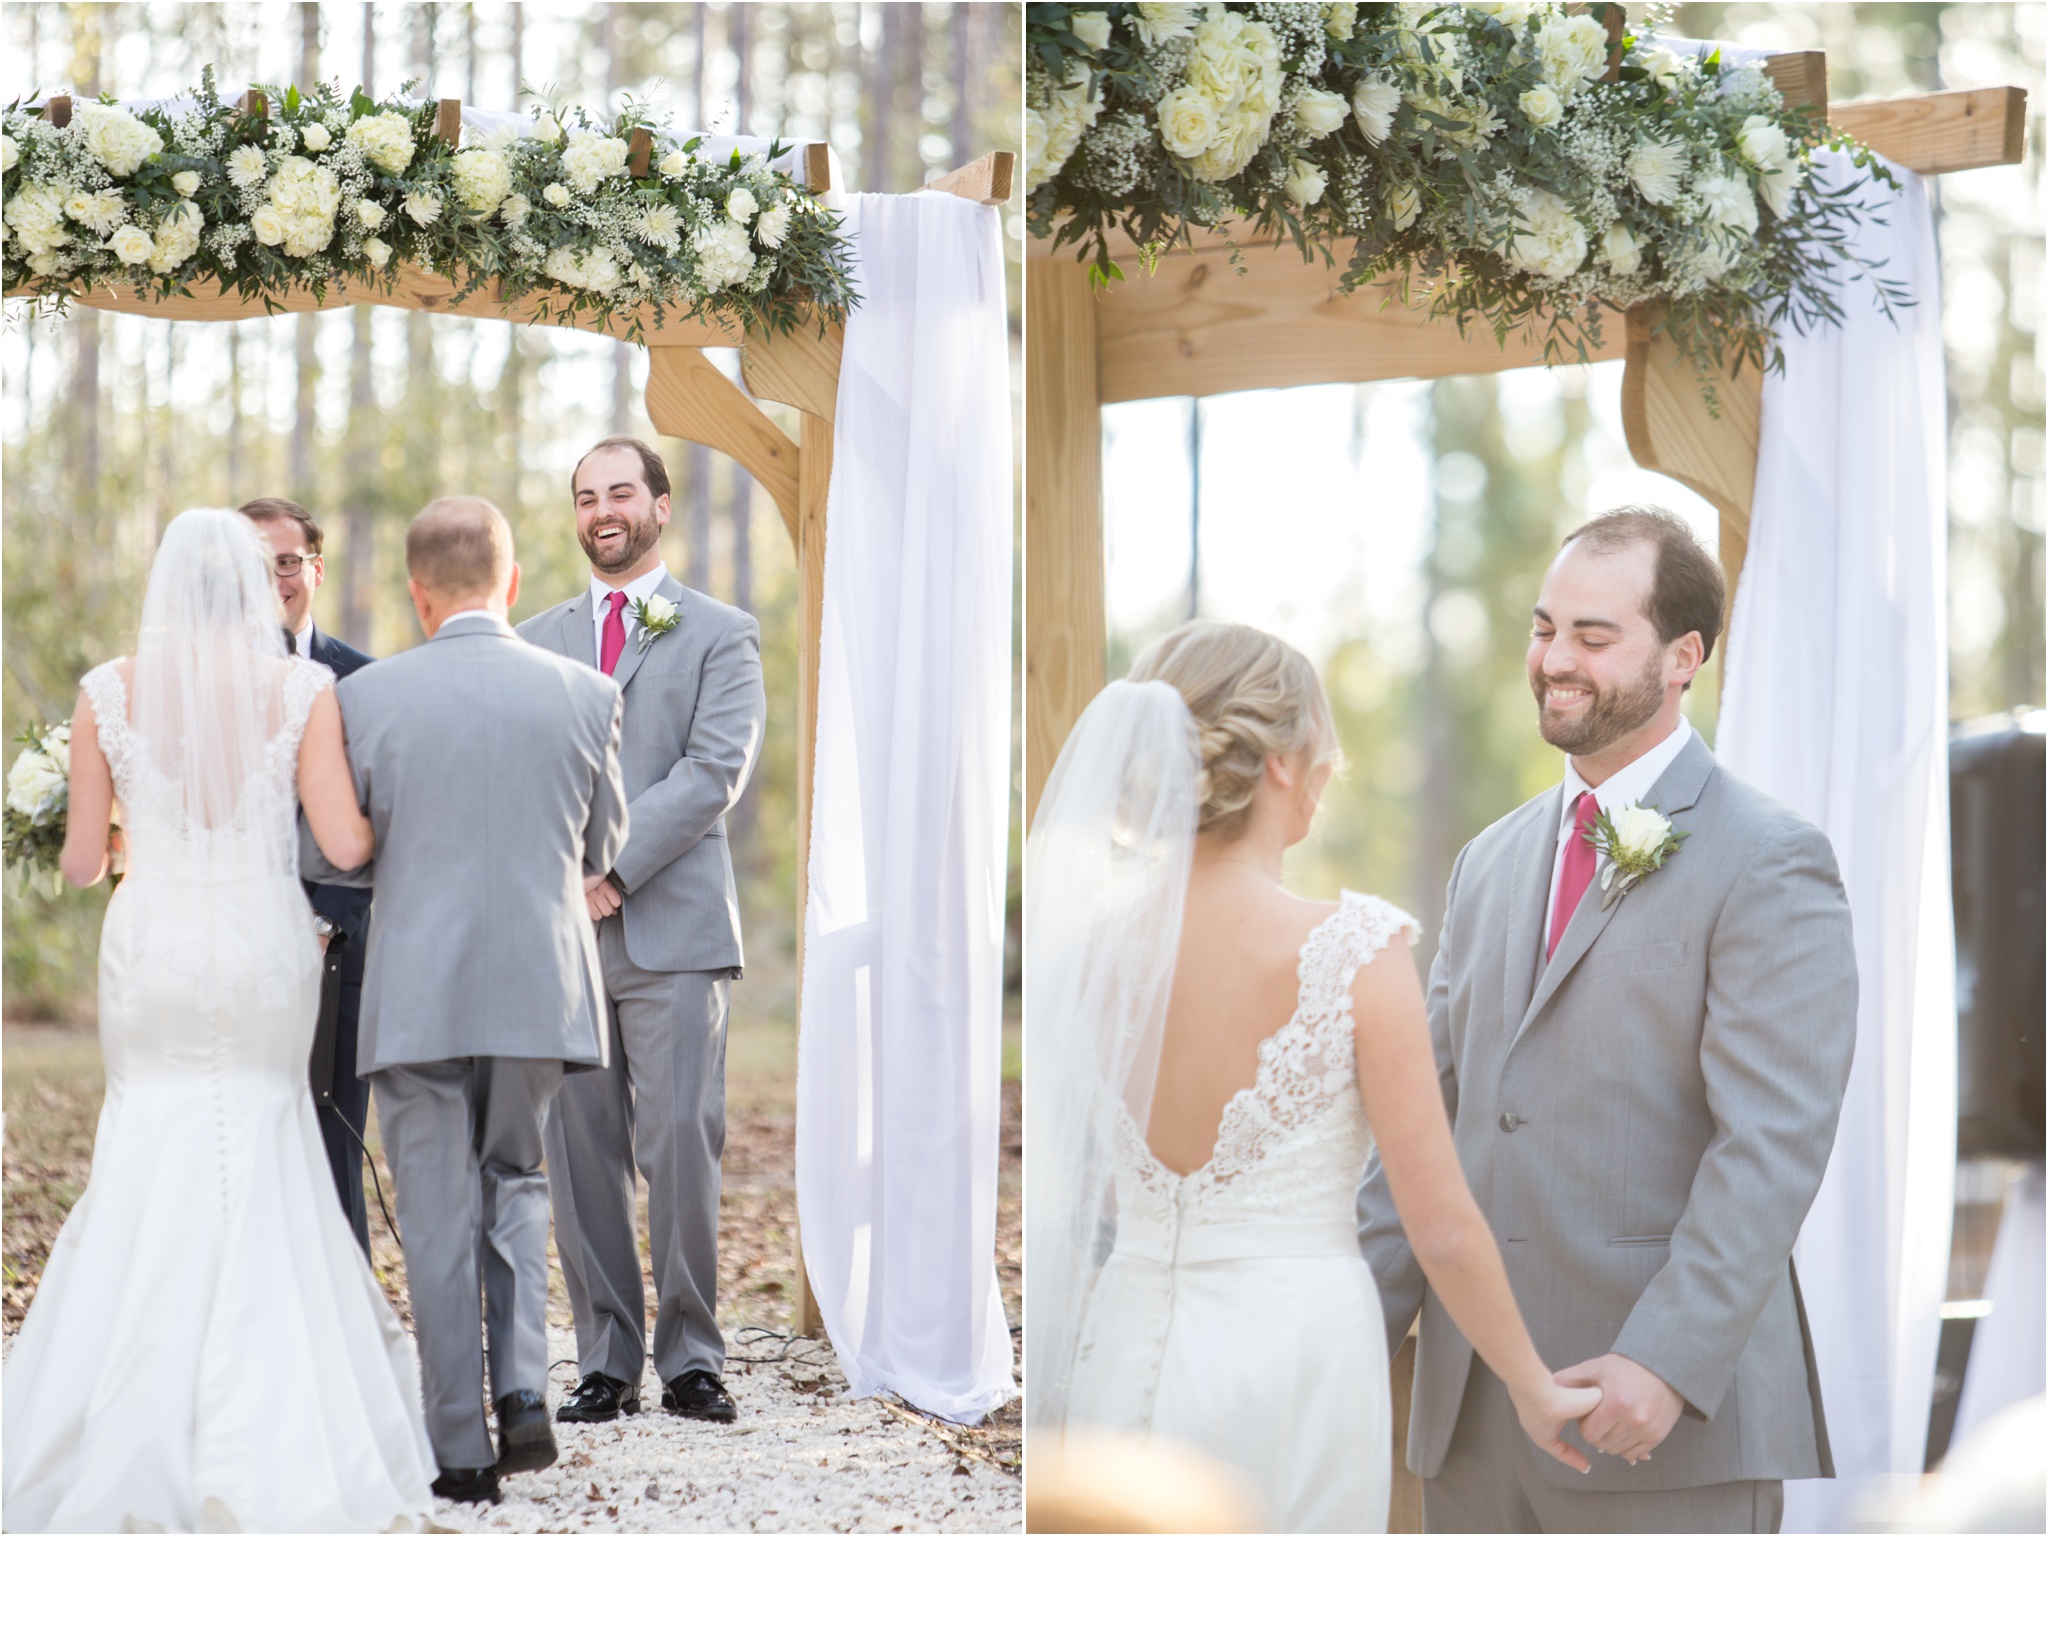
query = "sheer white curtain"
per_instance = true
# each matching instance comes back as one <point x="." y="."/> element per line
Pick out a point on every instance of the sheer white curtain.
<point x="900" y="1037"/>
<point x="1837" y="704"/>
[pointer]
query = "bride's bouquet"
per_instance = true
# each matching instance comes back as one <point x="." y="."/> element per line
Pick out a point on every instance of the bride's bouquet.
<point x="38" y="799"/>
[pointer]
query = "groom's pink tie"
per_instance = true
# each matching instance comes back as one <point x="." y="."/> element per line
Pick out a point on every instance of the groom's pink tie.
<point x="614" y="633"/>
<point x="1580" y="860"/>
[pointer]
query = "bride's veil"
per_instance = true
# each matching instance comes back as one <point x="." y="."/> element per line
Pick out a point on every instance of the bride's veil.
<point x="207" y="665"/>
<point x="1106" y="873"/>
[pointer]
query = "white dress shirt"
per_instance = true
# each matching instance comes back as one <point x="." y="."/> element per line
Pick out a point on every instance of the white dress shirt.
<point x="1625" y="788"/>
<point x="639" y="590"/>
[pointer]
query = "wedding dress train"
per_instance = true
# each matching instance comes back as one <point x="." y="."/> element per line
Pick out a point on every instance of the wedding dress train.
<point x="208" y="1349"/>
<point x="1234" y="1313"/>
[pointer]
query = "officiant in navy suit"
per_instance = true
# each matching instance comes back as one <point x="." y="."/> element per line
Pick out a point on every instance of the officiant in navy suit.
<point x="340" y="1098"/>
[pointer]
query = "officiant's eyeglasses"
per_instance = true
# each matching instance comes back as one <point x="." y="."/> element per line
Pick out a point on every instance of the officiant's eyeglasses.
<point x="288" y="567"/>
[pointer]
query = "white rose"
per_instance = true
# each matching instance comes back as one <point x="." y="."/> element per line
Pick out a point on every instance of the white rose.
<point x="1622" y="250"/>
<point x="98" y="213"/>
<point x="1305" y="183"/>
<point x="547" y="129"/>
<point x="1573" y="52"/>
<point x="378" y="251"/>
<point x="370" y="213"/>
<point x="1374" y="104"/>
<point x="1034" y="147"/>
<point x="1729" y="201"/>
<point x="133" y="245"/>
<point x="741" y="205"/>
<point x="245" y="166"/>
<point x="557" y="195"/>
<point x="385" y="140"/>
<point x="1762" y="143"/>
<point x="1512" y="13"/>
<point x="32" y="780"/>
<point x="1340" y="22"/>
<point x="1640" y="830"/>
<point x="1406" y="204"/>
<point x="268" y="226"/>
<point x="482" y="179"/>
<point x="674" y="163"/>
<point x="1666" y="67"/>
<point x="771" y="227"/>
<point x="514" y="209"/>
<point x="1775" y="187"/>
<point x="657" y="609"/>
<point x="316" y="136"/>
<point x="1091" y="28"/>
<point x="424" y="208"/>
<point x="1542" y="106"/>
<point x="1157" y="24"/>
<point x="1553" y="244"/>
<point x="1320" y="112"/>
<point x="177" y="238"/>
<point x="10" y="152"/>
<point x="1658" y="170"/>
<point x="1187" y="122"/>
<point x="186" y="182"/>
<point x="723" y="256"/>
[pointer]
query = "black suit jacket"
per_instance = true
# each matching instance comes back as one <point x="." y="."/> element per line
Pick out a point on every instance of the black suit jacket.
<point x="346" y="908"/>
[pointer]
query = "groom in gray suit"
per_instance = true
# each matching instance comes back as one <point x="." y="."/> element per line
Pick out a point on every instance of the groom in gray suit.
<point x="1643" y="1072"/>
<point x="490" y="773"/>
<point x="668" y="936"/>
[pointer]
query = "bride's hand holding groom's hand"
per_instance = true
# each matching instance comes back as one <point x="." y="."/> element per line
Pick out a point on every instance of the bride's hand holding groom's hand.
<point x="600" y="896"/>
<point x="1636" y="1412"/>
<point x="1546" y="1407"/>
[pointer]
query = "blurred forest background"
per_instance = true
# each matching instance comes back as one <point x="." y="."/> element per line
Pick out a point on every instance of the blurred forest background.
<point x="1416" y="604"/>
<point x="113" y="424"/>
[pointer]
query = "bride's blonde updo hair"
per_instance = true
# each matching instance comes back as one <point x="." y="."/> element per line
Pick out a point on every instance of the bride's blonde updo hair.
<point x="1251" y="696"/>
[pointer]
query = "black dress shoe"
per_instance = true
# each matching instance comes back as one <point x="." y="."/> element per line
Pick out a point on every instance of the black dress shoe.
<point x="699" y="1394"/>
<point x="600" y="1397"/>
<point x="525" y="1440"/>
<point x="468" y="1484"/>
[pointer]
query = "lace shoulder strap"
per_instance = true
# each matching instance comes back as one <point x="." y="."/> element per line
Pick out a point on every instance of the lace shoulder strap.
<point x="1349" y="940"/>
<point x="109" y="695"/>
<point x="304" y="682"/>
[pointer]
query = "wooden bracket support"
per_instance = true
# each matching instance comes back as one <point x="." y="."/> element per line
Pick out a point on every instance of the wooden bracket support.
<point x="986" y="180"/>
<point x="448" y="121"/>
<point x="688" y="397"/>
<point x="58" y="111"/>
<point x="799" y="367"/>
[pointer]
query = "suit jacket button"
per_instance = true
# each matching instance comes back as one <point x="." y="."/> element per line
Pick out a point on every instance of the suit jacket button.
<point x="1508" y="1122"/>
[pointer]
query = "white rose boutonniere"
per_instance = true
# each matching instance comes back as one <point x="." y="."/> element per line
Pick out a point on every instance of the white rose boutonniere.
<point x="1632" y="842"/>
<point x="656" y="616"/>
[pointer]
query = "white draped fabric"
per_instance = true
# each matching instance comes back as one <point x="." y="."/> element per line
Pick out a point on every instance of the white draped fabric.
<point x="900" y="1036"/>
<point x="1837" y="703"/>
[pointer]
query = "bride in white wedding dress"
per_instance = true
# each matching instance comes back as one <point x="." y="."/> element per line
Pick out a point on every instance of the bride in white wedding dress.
<point x="208" y="1350"/>
<point x="1208" y="1060"/>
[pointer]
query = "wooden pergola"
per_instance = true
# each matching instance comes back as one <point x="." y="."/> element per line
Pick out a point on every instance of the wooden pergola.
<point x="687" y="397"/>
<point x="1198" y="326"/>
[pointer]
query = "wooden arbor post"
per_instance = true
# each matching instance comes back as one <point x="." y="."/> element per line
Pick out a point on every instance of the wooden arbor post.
<point x="1198" y="326"/>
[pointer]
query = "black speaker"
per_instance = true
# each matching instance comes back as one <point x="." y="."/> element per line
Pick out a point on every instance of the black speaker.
<point x="1998" y="790"/>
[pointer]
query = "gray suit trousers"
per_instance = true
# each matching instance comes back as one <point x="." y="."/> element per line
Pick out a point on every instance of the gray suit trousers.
<point x="660" y="1101"/>
<point x="1490" y="1485"/>
<point x="464" y="1141"/>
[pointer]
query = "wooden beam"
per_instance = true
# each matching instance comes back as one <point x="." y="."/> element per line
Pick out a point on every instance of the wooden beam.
<point x="816" y="168"/>
<point x="448" y="121"/>
<point x="1801" y="78"/>
<point x="1065" y="626"/>
<point x="415" y="290"/>
<point x="1199" y="326"/>
<point x="985" y="180"/>
<point x="57" y="110"/>
<point x="813" y="486"/>
<point x="1949" y="131"/>
<point x="639" y="151"/>
<point x="688" y="397"/>
<point x="799" y="367"/>
<point x="255" y="104"/>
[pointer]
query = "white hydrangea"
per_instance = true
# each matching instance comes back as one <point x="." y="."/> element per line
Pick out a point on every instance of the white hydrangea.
<point x="1572" y="52"/>
<point x="133" y="246"/>
<point x="1374" y="104"/>
<point x="724" y="257"/>
<point x="116" y="138"/>
<point x="594" y="270"/>
<point x="177" y="238"/>
<point x="1542" y="106"/>
<point x="1305" y="183"/>
<point x="1730" y="204"/>
<point x="771" y="227"/>
<point x="1234" y="66"/>
<point x="483" y="178"/>
<point x="1071" y="112"/>
<point x="557" y="195"/>
<point x="1658" y="170"/>
<point x="304" y="197"/>
<point x="247" y="166"/>
<point x="1091" y="28"/>
<point x="1318" y="113"/>
<point x="35" y="215"/>
<point x="1156" y="24"/>
<point x="1553" y="241"/>
<point x="317" y="137"/>
<point x="385" y="140"/>
<point x="590" y="158"/>
<point x="99" y="213"/>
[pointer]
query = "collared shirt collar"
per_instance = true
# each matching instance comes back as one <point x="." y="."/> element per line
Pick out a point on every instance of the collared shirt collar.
<point x="1631" y="784"/>
<point x="637" y="591"/>
<point x="475" y="613"/>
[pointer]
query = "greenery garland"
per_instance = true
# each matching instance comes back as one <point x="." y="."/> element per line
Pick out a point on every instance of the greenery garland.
<point x="1478" y="155"/>
<point x="314" y="186"/>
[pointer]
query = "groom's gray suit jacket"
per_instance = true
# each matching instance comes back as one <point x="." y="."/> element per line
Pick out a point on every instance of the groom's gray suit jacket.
<point x="490" y="773"/>
<point x="689" y="744"/>
<point x="1645" y="1120"/>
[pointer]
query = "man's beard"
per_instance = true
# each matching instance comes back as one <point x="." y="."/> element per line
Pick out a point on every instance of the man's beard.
<point x="1613" y="713"/>
<point x="639" y="537"/>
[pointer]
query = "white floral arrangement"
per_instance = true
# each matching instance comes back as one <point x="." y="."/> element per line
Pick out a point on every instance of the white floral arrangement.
<point x="1517" y="162"/>
<point x="314" y="186"/>
<point x="38" y="799"/>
